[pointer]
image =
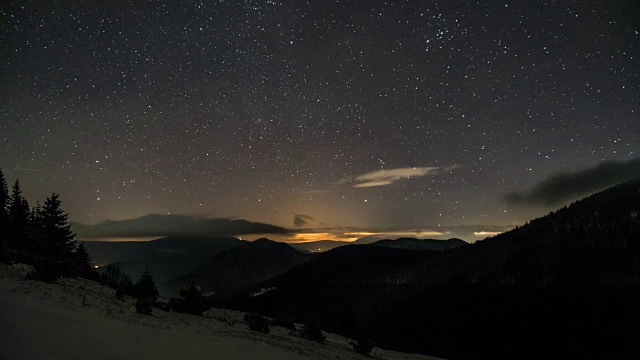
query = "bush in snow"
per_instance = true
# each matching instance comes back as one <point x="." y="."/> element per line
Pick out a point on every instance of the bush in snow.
<point x="192" y="302"/>
<point x="362" y="345"/>
<point x="313" y="332"/>
<point x="120" y="294"/>
<point x="45" y="269"/>
<point x="143" y="305"/>
<point x="115" y="278"/>
<point x="163" y="305"/>
<point x="257" y="322"/>
<point x="285" y="323"/>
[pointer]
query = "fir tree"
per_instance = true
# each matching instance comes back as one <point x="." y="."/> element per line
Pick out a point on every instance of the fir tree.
<point x="57" y="243"/>
<point x="146" y="293"/>
<point x="146" y="287"/>
<point x="4" y="220"/>
<point x="18" y="212"/>
<point x="33" y="244"/>
<point x="83" y="263"/>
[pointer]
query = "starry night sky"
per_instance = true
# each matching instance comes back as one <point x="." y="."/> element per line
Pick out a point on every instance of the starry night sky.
<point x="323" y="116"/>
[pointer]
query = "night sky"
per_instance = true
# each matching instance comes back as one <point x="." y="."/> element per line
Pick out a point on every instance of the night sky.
<point x="320" y="116"/>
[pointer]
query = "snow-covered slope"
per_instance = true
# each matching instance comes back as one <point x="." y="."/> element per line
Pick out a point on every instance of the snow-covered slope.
<point x="80" y="319"/>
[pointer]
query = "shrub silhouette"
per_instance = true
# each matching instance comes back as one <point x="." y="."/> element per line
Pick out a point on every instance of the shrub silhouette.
<point x="192" y="302"/>
<point x="120" y="293"/>
<point x="313" y="332"/>
<point x="257" y="322"/>
<point x="285" y="323"/>
<point x="114" y="278"/>
<point x="362" y="345"/>
<point x="163" y="305"/>
<point x="143" y="305"/>
<point x="45" y="269"/>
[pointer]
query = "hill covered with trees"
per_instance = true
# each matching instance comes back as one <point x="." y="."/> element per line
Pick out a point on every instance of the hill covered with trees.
<point x="566" y="284"/>
<point x="39" y="235"/>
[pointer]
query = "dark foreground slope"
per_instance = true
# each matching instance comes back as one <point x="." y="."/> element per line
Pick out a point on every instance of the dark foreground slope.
<point x="566" y="285"/>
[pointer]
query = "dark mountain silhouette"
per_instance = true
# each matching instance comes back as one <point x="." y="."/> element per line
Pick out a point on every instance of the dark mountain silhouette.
<point x="566" y="285"/>
<point x="230" y="270"/>
<point x="400" y="243"/>
<point x="318" y="246"/>
<point x="165" y="258"/>
<point x="106" y="252"/>
<point x="421" y="244"/>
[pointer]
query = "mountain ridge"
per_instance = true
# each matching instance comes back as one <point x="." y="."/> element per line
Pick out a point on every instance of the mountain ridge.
<point x="540" y="272"/>
<point x="240" y="266"/>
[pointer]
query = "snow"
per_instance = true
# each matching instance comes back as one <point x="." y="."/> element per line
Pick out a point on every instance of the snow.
<point x="262" y="291"/>
<point x="49" y="321"/>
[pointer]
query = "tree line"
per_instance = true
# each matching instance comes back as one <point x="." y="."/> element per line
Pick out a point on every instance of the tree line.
<point x="40" y="235"/>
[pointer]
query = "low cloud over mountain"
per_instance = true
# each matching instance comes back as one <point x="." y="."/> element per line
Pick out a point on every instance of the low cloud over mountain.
<point x="564" y="187"/>
<point x="174" y="225"/>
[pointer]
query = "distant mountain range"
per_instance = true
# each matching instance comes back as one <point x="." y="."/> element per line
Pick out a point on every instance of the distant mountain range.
<point x="318" y="246"/>
<point x="400" y="243"/>
<point x="566" y="285"/>
<point x="220" y="264"/>
<point x="421" y="244"/>
<point x="166" y="258"/>
<point x="240" y="266"/>
<point x="105" y="252"/>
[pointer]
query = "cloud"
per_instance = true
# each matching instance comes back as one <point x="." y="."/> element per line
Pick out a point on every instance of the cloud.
<point x="301" y="219"/>
<point x="373" y="183"/>
<point x="389" y="176"/>
<point x="174" y="225"/>
<point x="564" y="187"/>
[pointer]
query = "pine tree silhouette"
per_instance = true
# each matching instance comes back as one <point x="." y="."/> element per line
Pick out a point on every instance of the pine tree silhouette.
<point x="5" y="256"/>
<point x="39" y="236"/>
<point x="35" y="229"/>
<point x="19" y="219"/>
<point x="83" y="263"/>
<point x="146" y="287"/>
<point x="146" y="293"/>
<point x="57" y="243"/>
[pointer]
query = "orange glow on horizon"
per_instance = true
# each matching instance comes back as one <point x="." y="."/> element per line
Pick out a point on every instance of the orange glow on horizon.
<point x="309" y="237"/>
<point x="347" y="237"/>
